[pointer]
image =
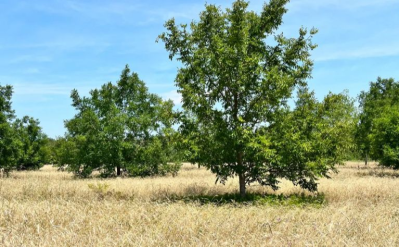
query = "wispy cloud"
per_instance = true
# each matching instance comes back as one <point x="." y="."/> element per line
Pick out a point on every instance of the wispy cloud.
<point x="339" y="4"/>
<point x="32" y="71"/>
<point x="108" y="7"/>
<point x="101" y="11"/>
<point x="30" y="58"/>
<point x="61" y="42"/>
<point x="357" y="53"/>
<point x="95" y="7"/>
<point x="180" y="11"/>
<point x="40" y="89"/>
<point x="137" y="13"/>
<point x="24" y="88"/>
<point x="174" y="96"/>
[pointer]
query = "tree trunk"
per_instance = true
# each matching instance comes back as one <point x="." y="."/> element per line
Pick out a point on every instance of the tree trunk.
<point x="241" y="174"/>
<point x="242" y="185"/>
<point x="241" y="170"/>
<point x="366" y="159"/>
<point x="118" y="171"/>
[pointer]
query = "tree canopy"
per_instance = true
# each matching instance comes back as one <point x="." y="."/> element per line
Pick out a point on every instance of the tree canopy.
<point x="22" y="143"/>
<point x="376" y="129"/>
<point x="119" y="126"/>
<point x="35" y="151"/>
<point x="237" y="74"/>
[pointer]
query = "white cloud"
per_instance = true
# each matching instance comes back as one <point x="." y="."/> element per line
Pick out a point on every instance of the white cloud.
<point x="174" y="96"/>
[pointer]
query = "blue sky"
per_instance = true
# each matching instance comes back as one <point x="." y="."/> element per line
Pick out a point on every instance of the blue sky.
<point x="49" y="47"/>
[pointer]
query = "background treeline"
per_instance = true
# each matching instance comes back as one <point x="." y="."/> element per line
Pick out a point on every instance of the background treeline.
<point x="113" y="133"/>
<point x="122" y="129"/>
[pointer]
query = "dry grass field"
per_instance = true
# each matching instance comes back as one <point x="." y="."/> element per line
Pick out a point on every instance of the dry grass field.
<point x="357" y="207"/>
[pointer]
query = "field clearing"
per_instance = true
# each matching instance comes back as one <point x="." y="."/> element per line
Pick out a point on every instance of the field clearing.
<point x="357" y="207"/>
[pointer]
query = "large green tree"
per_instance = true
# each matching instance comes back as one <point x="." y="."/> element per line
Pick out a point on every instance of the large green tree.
<point x="236" y="77"/>
<point x="119" y="127"/>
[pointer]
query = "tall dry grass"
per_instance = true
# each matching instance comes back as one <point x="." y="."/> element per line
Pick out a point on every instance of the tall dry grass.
<point x="358" y="207"/>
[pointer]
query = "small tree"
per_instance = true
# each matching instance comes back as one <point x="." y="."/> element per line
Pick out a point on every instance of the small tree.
<point x="64" y="152"/>
<point x="235" y="82"/>
<point x="51" y="144"/>
<point x="308" y="141"/>
<point x="119" y="127"/>
<point x="383" y="94"/>
<point x="34" y="144"/>
<point x="385" y="137"/>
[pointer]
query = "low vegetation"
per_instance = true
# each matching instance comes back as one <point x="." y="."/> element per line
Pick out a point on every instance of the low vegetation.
<point x="357" y="207"/>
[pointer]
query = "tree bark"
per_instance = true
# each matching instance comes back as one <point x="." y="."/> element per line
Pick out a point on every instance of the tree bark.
<point x="241" y="170"/>
<point x="241" y="175"/>
<point x="118" y="171"/>
<point x="242" y="185"/>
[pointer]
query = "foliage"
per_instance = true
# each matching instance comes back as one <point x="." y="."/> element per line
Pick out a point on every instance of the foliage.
<point x="235" y="82"/>
<point x="385" y="137"/>
<point x="51" y="147"/>
<point x="120" y="126"/>
<point x="9" y="145"/>
<point x="23" y="145"/>
<point x="305" y="143"/>
<point x="66" y="156"/>
<point x="377" y="111"/>
<point x="35" y="151"/>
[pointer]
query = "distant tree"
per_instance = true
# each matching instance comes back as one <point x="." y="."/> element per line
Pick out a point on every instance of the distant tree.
<point x="119" y="127"/>
<point x="383" y="94"/>
<point x="51" y="149"/>
<point x="341" y="112"/>
<point x="9" y="144"/>
<point x="34" y="144"/>
<point x="385" y="137"/>
<point x="65" y="153"/>
<point x="235" y="81"/>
